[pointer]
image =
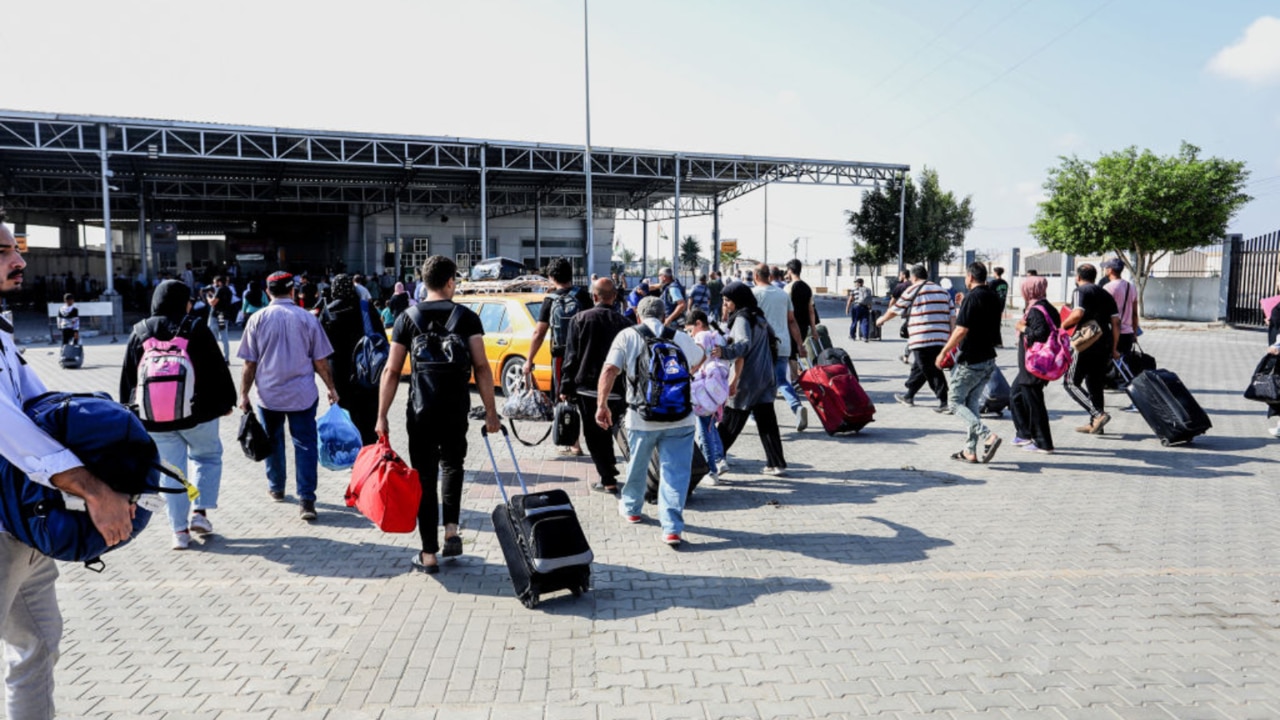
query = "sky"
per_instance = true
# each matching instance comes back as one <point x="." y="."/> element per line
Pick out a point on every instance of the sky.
<point x="988" y="92"/>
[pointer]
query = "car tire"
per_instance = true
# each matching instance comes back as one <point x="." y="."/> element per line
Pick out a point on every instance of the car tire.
<point x="512" y="371"/>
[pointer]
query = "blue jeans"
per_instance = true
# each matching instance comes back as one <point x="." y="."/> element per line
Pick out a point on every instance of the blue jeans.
<point x="306" y="449"/>
<point x="781" y="372"/>
<point x="967" y="381"/>
<point x="202" y="446"/>
<point x="860" y="321"/>
<point x="675" y="457"/>
<point x="32" y="628"/>
<point x="709" y="441"/>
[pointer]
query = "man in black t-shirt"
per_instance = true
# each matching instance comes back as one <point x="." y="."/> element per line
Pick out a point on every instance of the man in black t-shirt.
<point x="438" y="432"/>
<point x="554" y="307"/>
<point x="975" y="336"/>
<point x="1089" y="367"/>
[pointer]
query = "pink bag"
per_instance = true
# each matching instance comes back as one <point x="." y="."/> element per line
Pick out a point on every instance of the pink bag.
<point x="1049" y="360"/>
<point x="710" y="386"/>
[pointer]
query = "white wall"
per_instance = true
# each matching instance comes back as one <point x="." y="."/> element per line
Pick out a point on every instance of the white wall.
<point x="1181" y="298"/>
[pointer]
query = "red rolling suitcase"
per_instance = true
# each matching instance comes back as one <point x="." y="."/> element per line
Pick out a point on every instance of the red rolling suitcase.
<point x="838" y="399"/>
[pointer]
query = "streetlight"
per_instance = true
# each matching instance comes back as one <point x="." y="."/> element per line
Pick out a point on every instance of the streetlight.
<point x="586" y="154"/>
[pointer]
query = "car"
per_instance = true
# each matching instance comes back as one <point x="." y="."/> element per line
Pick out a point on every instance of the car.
<point x="509" y="320"/>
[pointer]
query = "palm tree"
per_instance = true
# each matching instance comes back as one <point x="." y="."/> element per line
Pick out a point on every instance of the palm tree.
<point x="690" y="254"/>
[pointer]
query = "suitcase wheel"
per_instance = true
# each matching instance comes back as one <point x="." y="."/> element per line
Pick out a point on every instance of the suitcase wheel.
<point x="530" y="602"/>
<point x="577" y="591"/>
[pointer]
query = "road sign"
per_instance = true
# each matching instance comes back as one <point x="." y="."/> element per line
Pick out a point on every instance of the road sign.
<point x="20" y="239"/>
<point x="728" y="246"/>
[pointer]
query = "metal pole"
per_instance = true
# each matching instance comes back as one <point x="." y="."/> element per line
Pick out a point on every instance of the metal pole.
<point x="765" y="259"/>
<point x="484" y="203"/>
<point x="537" y="232"/>
<point x="902" y="221"/>
<point x="586" y="154"/>
<point x="644" y="245"/>
<point x="715" y="235"/>
<point x="106" y="207"/>
<point x="142" y="237"/>
<point x="395" y="229"/>
<point x="675" y="239"/>
<point x="364" y="246"/>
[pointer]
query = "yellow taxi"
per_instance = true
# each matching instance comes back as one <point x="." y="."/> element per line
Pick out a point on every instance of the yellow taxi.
<point x="509" y="320"/>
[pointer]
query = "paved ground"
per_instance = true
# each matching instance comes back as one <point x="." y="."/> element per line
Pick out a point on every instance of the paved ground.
<point x="1115" y="579"/>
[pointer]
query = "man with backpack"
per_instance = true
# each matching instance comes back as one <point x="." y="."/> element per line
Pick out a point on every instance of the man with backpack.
<point x="591" y="334"/>
<point x="445" y="344"/>
<point x="283" y="348"/>
<point x="360" y="350"/>
<point x="656" y="360"/>
<point x="674" y="303"/>
<point x="558" y="310"/>
<point x="30" y="621"/>
<point x="178" y="381"/>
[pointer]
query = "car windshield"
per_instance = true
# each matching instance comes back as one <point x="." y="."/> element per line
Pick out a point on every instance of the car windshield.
<point x="535" y="308"/>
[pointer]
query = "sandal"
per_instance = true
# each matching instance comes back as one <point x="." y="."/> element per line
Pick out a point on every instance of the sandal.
<point x="452" y="547"/>
<point x="962" y="456"/>
<point x="422" y="567"/>
<point x="989" y="450"/>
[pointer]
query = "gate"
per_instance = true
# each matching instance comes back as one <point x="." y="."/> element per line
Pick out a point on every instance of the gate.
<point x="1255" y="274"/>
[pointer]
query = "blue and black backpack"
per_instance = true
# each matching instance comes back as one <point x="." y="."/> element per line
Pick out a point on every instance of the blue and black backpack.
<point x="662" y="379"/>
<point x="113" y="445"/>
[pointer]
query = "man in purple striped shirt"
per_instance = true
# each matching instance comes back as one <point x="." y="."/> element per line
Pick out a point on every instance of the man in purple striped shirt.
<point x="928" y="327"/>
<point x="283" y="348"/>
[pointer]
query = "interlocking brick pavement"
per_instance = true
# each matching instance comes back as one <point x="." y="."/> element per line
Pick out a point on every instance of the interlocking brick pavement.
<point x="1114" y="579"/>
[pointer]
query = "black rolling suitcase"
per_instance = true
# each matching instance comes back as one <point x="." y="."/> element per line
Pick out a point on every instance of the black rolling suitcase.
<point x="72" y="356"/>
<point x="541" y="538"/>
<point x="1166" y="404"/>
<point x="995" y="395"/>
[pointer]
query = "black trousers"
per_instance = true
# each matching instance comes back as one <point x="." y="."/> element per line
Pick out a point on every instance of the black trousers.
<point x="1030" y="416"/>
<point x="766" y="424"/>
<point x="437" y="449"/>
<point x="600" y="441"/>
<point x="1085" y="378"/>
<point x="924" y="370"/>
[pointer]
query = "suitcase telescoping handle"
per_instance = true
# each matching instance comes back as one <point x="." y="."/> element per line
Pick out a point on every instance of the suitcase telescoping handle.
<point x="497" y="476"/>
<point x="1123" y="369"/>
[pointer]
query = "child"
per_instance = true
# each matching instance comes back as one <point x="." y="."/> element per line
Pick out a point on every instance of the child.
<point x="384" y="312"/>
<point x="710" y="392"/>
<point x="69" y="320"/>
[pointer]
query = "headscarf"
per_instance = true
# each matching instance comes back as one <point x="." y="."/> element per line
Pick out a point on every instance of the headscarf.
<point x="744" y="301"/>
<point x="170" y="300"/>
<point x="343" y="288"/>
<point x="1033" y="288"/>
<point x="253" y="294"/>
<point x="399" y="289"/>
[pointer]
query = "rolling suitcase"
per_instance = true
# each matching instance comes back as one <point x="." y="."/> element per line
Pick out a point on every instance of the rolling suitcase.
<point x="995" y="395"/>
<point x="541" y="538"/>
<point x="72" y="356"/>
<point x="1166" y="404"/>
<point x="875" y="329"/>
<point x="836" y="356"/>
<point x="698" y="469"/>
<point x="1136" y="361"/>
<point x="819" y="341"/>
<point x="838" y="399"/>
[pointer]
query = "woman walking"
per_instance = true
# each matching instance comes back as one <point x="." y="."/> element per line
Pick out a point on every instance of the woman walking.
<point x="345" y="326"/>
<point x="1026" y="397"/>
<point x="753" y="386"/>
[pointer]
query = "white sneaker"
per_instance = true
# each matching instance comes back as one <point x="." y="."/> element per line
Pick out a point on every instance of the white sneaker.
<point x="1275" y="431"/>
<point x="802" y="418"/>
<point x="712" y="479"/>
<point x="199" y="524"/>
<point x="774" y="471"/>
<point x="722" y="467"/>
<point x="181" y="540"/>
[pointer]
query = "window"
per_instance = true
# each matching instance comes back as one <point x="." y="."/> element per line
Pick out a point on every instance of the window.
<point x="535" y="309"/>
<point x="493" y="316"/>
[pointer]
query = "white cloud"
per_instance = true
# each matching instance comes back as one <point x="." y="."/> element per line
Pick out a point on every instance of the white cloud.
<point x="1253" y="58"/>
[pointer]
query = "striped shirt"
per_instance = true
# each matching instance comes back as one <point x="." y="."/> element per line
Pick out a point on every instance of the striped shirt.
<point x="930" y="321"/>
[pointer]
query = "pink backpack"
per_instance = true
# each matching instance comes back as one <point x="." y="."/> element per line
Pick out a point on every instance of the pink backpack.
<point x="710" y="386"/>
<point x="166" y="378"/>
<point x="1049" y="360"/>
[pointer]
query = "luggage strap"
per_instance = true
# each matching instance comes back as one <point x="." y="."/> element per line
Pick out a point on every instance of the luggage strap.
<point x="524" y="442"/>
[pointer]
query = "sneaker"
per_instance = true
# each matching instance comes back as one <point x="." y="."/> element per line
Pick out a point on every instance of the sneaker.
<point x="1131" y="408"/>
<point x="774" y="471"/>
<point x="633" y="519"/>
<point x="943" y="410"/>
<point x="904" y="399"/>
<point x="181" y="540"/>
<point x="1275" y="431"/>
<point x="1095" y="427"/>
<point x="277" y="495"/>
<point x="712" y="479"/>
<point x="1033" y="448"/>
<point x="308" y="510"/>
<point x="199" y="524"/>
<point x="802" y="418"/>
<point x="672" y="539"/>
<point x="1022" y="442"/>
<point x="722" y="468"/>
<point x="1086" y="429"/>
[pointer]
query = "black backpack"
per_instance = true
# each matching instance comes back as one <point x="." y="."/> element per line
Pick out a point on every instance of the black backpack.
<point x="563" y="307"/>
<point x="440" y="361"/>
<point x="370" y="353"/>
<point x="662" y="379"/>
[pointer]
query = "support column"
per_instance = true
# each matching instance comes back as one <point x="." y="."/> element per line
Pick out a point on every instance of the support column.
<point x="142" y="238"/>
<point x="484" y="203"/>
<point x="644" y="245"/>
<point x="1230" y="246"/>
<point x="715" y="235"/>
<point x="395" y="229"/>
<point x="537" y="232"/>
<point x="765" y="259"/>
<point x="106" y="208"/>
<point x="675" y="238"/>
<point x="902" y="222"/>
<point x="364" y="247"/>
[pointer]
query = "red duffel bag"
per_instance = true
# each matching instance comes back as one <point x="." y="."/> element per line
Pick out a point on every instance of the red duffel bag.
<point x="384" y="489"/>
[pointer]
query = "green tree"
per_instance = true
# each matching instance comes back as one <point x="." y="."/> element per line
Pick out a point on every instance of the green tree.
<point x="690" y="254"/>
<point x="1139" y="206"/>
<point x="729" y="257"/>
<point x="627" y="256"/>
<point x="934" y="227"/>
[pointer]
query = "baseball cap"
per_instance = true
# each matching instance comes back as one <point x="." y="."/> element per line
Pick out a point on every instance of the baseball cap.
<point x="280" y="281"/>
<point x="1113" y="264"/>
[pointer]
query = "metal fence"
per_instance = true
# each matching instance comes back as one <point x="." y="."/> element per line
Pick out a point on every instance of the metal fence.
<point x="1255" y="274"/>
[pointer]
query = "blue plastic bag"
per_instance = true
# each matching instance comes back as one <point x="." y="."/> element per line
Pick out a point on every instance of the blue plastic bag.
<point x="339" y="439"/>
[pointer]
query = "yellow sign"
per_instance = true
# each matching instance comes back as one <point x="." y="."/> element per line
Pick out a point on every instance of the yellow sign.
<point x="21" y="241"/>
<point x="728" y="246"/>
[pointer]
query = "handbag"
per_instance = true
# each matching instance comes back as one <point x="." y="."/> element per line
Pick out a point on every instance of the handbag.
<point x="1265" y="385"/>
<point x="384" y="489"/>
<point x="567" y="425"/>
<point x="1086" y="335"/>
<point x="1050" y="358"/>
<point x="253" y="438"/>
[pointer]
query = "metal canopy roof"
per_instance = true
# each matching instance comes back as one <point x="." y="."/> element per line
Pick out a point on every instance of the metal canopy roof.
<point x="203" y="172"/>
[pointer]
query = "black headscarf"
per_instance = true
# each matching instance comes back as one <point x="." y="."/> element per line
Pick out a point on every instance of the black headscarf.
<point x="170" y="300"/>
<point x="744" y="302"/>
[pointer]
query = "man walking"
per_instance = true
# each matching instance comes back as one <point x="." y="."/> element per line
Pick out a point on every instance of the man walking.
<point x="282" y="348"/>
<point x="558" y="309"/>
<point x="591" y="334"/>
<point x="975" y="335"/>
<point x="221" y="313"/>
<point x="776" y="307"/>
<point x="700" y="295"/>
<point x="674" y="303"/>
<point x="30" y="621"/>
<point x="716" y="287"/>
<point x="858" y="308"/>
<point x="666" y="429"/>
<point x="1084" y="379"/>
<point x="801" y="295"/>
<point x="1126" y="297"/>
<point x="929" y="328"/>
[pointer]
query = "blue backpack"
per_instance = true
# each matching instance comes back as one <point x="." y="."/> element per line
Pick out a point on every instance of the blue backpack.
<point x="662" y="379"/>
<point x="369" y="356"/>
<point x="113" y="445"/>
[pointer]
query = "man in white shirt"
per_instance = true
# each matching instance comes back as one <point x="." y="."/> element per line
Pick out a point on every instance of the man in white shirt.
<point x="29" y="616"/>
<point x="781" y="316"/>
<point x="672" y="438"/>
